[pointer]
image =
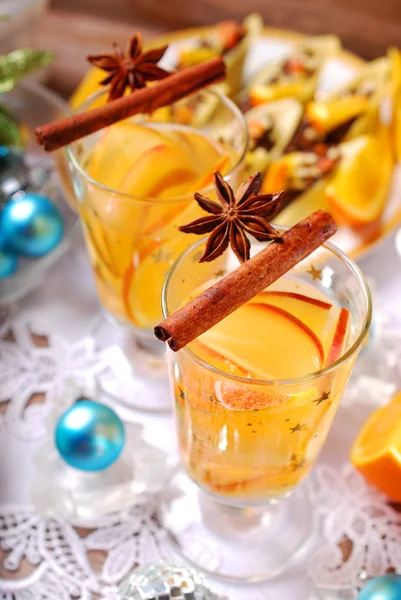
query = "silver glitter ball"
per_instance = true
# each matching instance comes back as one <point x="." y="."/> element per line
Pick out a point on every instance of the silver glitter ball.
<point x="165" y="581"/>
<point x="14" y="174"/>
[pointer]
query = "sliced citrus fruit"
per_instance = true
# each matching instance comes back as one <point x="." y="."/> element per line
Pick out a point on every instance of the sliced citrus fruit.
<point x="301" y="90"/>
<point x="326" y="116"/>
<point x="376" y="452"/>
<point x="276" y="177"/>
<point x="394" y="55"/>
<point x="358" y="190"/>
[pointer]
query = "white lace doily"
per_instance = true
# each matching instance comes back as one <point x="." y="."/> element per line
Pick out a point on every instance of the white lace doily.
<point x="36" y="362"/>
<point x="362" y="531"/>
<point x="62" y="561"/>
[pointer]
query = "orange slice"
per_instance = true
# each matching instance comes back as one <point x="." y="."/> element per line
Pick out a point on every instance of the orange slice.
<point x="301" y="90"/>
<point x="394" y="55"/>
<point x="376" y="452"/>
<point x="358" y="190"/>
<point x="326" y="116"/>
<point x="276" y="177"/>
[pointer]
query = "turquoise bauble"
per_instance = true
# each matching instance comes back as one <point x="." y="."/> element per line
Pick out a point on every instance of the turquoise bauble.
<point x="31" y="225"/>
<point x="387" y="587"/>
<point x="89" y="436"/>
<point x="8" y="264"/>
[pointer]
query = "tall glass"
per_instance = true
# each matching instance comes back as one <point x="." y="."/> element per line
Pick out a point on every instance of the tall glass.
<point x="247" y="518"/>
<point x="133" y="240"/>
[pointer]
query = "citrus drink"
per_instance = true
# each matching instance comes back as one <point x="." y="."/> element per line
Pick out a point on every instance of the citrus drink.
<point x="244" y="436"/>
<point x="143" y="177"/>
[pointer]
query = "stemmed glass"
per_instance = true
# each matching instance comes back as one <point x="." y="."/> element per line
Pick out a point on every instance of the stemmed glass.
<point x="133" y="240"/>
<point x="243" y="513"/>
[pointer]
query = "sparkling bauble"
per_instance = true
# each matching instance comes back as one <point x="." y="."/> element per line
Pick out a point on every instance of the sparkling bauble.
<point x="31" y="225"/>
<point x="162" y="581"/>
<point x="8" y="264"/>
<point x="14" y="175"/>
<point x="387" y="587"/>
<point x="89" y="436"/>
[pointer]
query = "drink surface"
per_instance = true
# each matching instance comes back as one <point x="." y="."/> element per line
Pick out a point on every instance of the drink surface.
<point x="133" y="235"/>
<point x="251" y="437"/>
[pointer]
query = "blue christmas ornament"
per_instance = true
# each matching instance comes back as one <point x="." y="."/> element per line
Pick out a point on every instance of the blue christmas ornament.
<point x="387" y="587"/>
<point x="89" y="436"/>
<point x="8" y="264"/>
<point x="31" y="225"/>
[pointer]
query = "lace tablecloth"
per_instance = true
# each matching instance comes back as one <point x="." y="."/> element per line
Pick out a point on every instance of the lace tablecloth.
<point x="43" y="558"/>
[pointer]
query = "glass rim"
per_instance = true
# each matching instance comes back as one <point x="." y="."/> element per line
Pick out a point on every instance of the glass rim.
<point x="149" y="199"/>
<point x="356" y="271"/>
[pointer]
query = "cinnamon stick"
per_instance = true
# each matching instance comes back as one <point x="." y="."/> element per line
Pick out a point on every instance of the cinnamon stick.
<point x="252" y="277"/>
<point x="167" y="91"/>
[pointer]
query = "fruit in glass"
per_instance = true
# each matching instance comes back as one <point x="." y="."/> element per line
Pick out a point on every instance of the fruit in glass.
<point x="255" y="397"/>
<point x="134" y="183"/>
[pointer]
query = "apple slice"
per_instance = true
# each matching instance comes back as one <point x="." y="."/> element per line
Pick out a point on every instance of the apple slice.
<point x="97" y="239"/>
<point x="217" y="359"/>
<point x="239" y="481"/>
<point x="118" y="148"/>
<point x="311" y="311"/>
<point x="155" y="170"/>
<point x="340" y="337"/>
<point x="244" y="337"/>
<point x="153" y="175"/>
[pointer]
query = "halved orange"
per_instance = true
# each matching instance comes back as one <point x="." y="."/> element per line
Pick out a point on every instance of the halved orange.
<point x="376" y="452"/>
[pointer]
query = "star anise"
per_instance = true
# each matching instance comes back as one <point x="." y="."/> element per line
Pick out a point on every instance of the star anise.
<point x="235" y="215"/>
<point x="132" y="69"/>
